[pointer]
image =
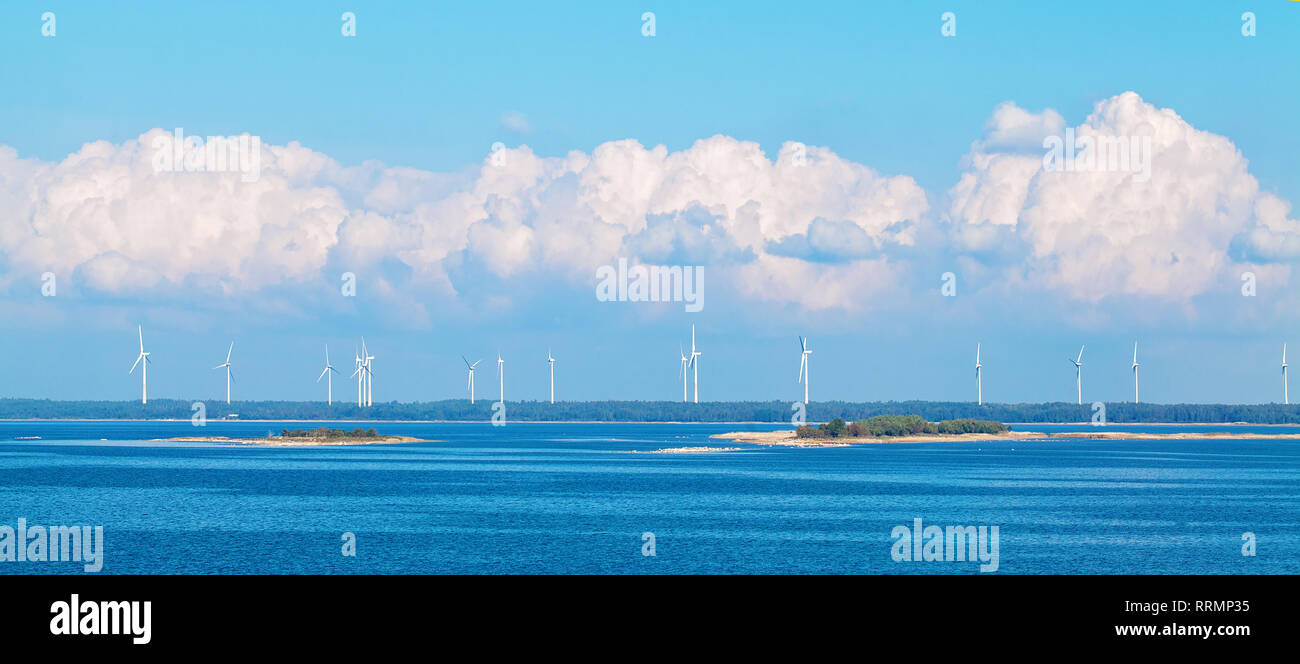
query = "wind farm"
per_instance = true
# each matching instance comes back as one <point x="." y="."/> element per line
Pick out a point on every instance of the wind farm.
<point x="689" y="370"/>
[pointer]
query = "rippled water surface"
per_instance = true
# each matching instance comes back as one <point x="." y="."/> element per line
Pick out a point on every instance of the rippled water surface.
<point x="572" y="498"/>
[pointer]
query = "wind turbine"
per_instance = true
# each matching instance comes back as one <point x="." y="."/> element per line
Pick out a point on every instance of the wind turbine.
<point x="226" y="366"/>
<point x="1286" y="398"/>
<point x="358" y="374"/>
<point x="695" y="364"/>
<point x="329" y="384"/>
<point x="803" y="366"/>
<point x="1078" y="374"/>
<point x="551" y="360"/>
<point x="979" y="385"/>
<point x="685" y="364"/>
<point x="501" y="376"/>
<point x="471" y="376"/>
<point x="369" y="375"/>
<point x="144" y="368"/>
<point x="1135" y="372"/>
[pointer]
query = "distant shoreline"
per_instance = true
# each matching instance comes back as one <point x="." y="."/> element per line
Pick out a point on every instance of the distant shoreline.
<point x="485" y="421"/>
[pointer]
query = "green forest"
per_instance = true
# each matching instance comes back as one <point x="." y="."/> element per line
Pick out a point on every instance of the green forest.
<point x="648" y="411"/>
<point x="888" y="426"/>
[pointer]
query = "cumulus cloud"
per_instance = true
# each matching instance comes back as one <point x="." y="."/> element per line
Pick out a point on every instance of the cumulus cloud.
<point x="804" y="226"/>
<point x="827" y="242"/>
<point x="1092" y="232"/>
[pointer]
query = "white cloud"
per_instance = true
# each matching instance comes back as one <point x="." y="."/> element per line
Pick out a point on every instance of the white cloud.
<point x="806" y="227"/>
<point x="515" y="123"/>
<point x="1094" y="234"/>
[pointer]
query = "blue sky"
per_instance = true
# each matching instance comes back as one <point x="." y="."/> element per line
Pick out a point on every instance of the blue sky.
<point x="408" y="111"/>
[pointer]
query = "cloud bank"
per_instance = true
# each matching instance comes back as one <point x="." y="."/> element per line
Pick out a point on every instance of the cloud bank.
<point x="805" y="228"/>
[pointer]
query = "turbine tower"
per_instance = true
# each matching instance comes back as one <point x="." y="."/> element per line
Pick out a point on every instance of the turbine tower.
<point x="144" y="368"/>
<point x="695" y="364"/>
<point x="551" y="361"/>
<point x="329" y="383"/>
<point x="803" y="366"/>
<point x="1286" y="398"/>
<point x="357" y="374"/>
<point x="471" y="376"/>
<point x="979" y="385"/>
<point x="501" y="376"/>
<point x="369" y="374"/>
<point x="226" y="365"/>
<point x="686" y="363"/>
<point x="1135" y="372"/>
<point x="1078" y="374"/>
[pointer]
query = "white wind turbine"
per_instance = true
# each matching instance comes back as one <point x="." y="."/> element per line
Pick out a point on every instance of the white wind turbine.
<point x="329" y="383"/>
<point x="979" y="385"/>
<point x="471" y="376"/>
<point x="686" y="363"/>
<point x="551" y="361"/>
<point x="226" y="365"/>
<point x="144" y="369"/>
<point x="1286" y="397"/>
<point x="369" y="373"/>
<point x="1078" y="374"/>
<point x="803" y="366"/>
<point x="695" y="364"/>
<point x="501" y="376"/>
<point x="358" y="374"/>
<point x="1135" y="372"/>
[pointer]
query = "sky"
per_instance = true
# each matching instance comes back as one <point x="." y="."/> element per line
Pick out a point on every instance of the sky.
<point x="471" y="167"/>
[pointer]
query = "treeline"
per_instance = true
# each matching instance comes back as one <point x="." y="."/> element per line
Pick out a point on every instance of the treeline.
<point x="884" y="426"/>
<point x="326" y="433"/>
<point x="648" y="411"/>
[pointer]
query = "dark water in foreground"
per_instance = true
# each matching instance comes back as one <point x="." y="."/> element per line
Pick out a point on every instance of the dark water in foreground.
<point x="570" y="498"/>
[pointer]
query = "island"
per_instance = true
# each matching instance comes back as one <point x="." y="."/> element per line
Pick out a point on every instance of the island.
<point x="882" y="429"/>
<point x="915" y="429"/>
<point x="306" y="438"/>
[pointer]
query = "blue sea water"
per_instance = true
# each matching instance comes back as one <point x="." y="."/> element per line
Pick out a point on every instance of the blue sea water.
<point x="572" y="498"/>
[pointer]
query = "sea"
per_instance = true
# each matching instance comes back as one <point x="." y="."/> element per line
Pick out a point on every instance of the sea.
<point x="591" y="498"/>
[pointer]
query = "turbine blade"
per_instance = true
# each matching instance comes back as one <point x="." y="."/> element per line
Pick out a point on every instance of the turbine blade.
<point x="322" y="374"/>
<point x="137" y="361"/>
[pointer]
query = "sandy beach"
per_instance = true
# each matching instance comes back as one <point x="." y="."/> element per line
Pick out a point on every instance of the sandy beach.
<point x="787" y="437"/>
<point x="280" y="441"/>
<point x="691" y="450"/>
